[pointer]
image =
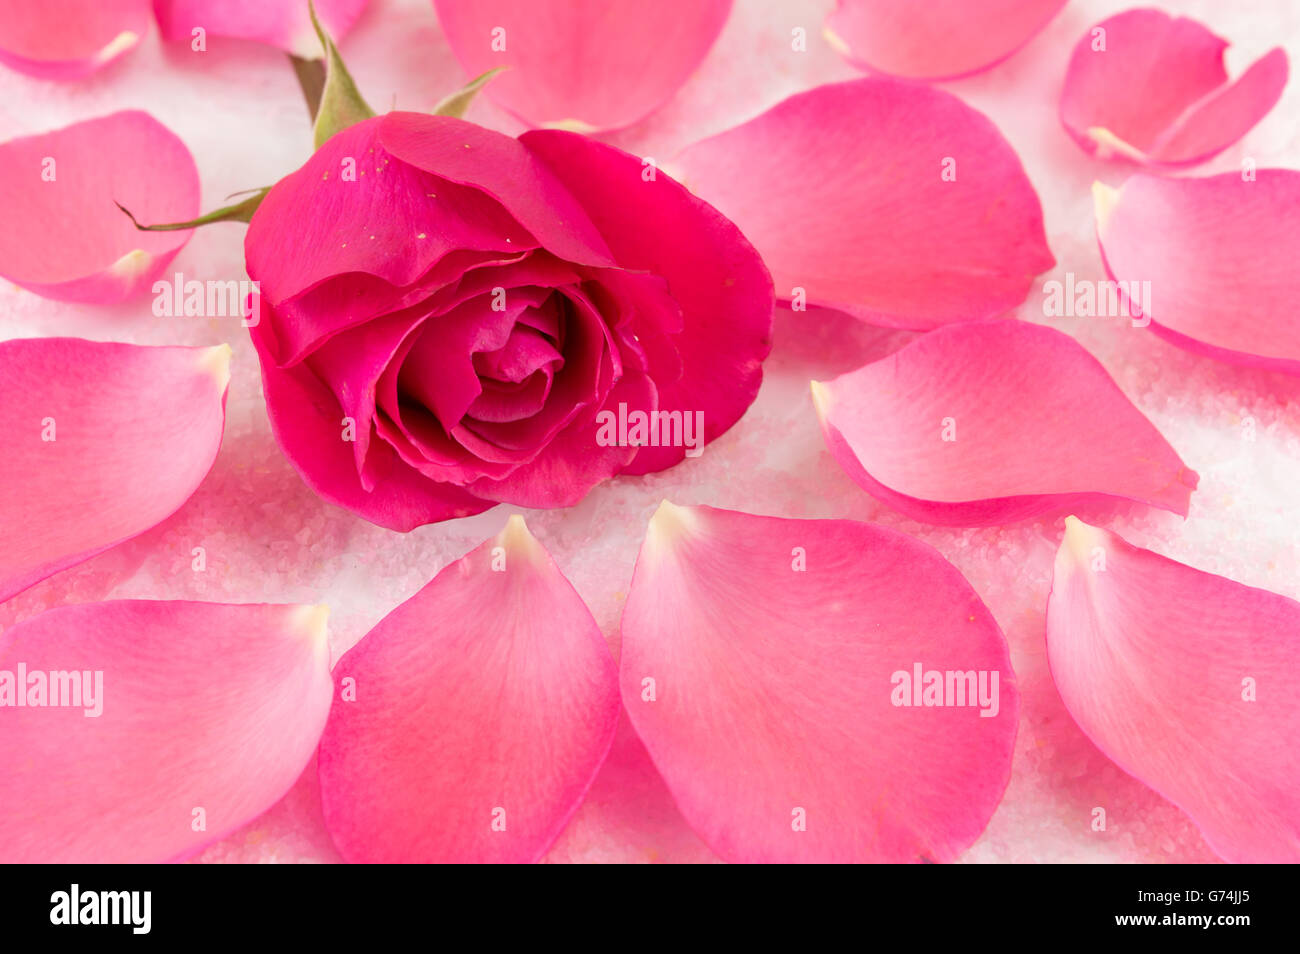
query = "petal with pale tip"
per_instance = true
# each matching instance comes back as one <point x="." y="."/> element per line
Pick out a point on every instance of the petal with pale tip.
<point x="1151" y="88"/>
<point x="69" y="39"/>
<point x="66" y="237"/>
<point x="763" y="663"/>
<point x="1188" y="681"/>
<point x="484" y="706"/>
<point x="162" y="727"/>
<point x="103" y="441"/>
<point x="994" y="422"/>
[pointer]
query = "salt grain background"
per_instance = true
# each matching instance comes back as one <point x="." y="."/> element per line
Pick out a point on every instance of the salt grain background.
<point x="268" y="538"/>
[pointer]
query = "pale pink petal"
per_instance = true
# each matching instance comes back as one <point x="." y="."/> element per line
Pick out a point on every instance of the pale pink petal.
<point x="102" y="442"/>
<point x="935" y="39"/>
<point x="890" y="200"/>
<point x="1188" y="681"/>
<point x="282" y="23"/>
<point x="64" y="238"/>
<point x="470" y="722"/>
<point x="628" y="815"/>
<point x="582" y="64"/>
<point x="68" y="39"/>
<point x="203" y="715"/>
<point x="1220" y="255"/>
<point x="1158" y="94"/>
<point x="761" y="665"/>
<point x="993" y="422"/>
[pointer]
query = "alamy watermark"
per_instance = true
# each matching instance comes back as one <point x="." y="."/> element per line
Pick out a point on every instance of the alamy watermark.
<point x="75" y="906"/>
<point x="926" y="688"/>
<point x="54" y="689"/>
<point x="1083" y="298"/>
<point x="179" y="298"/>
<point x="639" y="428"/>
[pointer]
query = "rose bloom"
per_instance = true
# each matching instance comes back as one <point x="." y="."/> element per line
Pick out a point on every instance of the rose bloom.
<point x="445" y="312"/>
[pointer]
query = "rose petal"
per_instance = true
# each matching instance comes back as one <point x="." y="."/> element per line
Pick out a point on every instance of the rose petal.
<point x="1160" y="664"/>
<point x="572" y="462"/>
<point x="66" y="239"/>
<point x="282" y="23"/>
<point x="843" y="191"/>
<point x="310" y="426"/>
<point x="103" y="441"/>
<point x="525" y="352"/>
<point x="439" y="371"/>
<point x="352" y="208"/>
<point x="1158" y="94"/>
<point x="584" y="384"/>
<point x="711" y="271"/>
<point x="484" y="706"/>
<point x="993" y="422"/>
<point x="767" y="694"/>
<point x="203" y="707"/>
<point x="628" y="815"/>
<point x="503" y="403"/>
<point x="418" y="349"/>
<point x="499" y="404"/>
<point x="937" y="39"/>
<point x="504" y="169"/>
<point x="67" y="39"/>
<point x="309" y="319"/>
<point x="1220" y="255"/>
<point x="584" y="64"/>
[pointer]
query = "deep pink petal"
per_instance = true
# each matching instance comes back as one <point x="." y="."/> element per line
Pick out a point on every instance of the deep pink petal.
<point x="65" y="238"/>
<point x="354" y="208"/>
<point x="439" y="372"/>
<point x="992" y="422"/>
<point x="102" y="442"/>
<point x="572" y="462"/>
<point x="310" y="318"/>
<point x="308" y="423"/>
<point x="767" y="693"/>
<point x="842" y="190"/>
<point x="1187" y="681"/>
<point x="1220" y="254"/>
<point x="208" y="712"/>
<point x="351" y="364"/>
<point x="499" y="404"/>
<point x="282" y="23"/>
<point x="584" y="64"/>
<point x="935" y="39"/>
<point x="489" y="696"/>
<point x="1158" y="94"/>
<point x="526" y="351"/>
<point x="67" y="39"/>
<point x="711" y="271"/>
<point x="504" y="169"/>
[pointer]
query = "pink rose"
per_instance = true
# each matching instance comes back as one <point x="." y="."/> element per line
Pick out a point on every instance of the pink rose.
<point x="452" y="318"/>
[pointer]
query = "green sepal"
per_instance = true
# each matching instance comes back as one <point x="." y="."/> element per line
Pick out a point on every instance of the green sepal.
<point x="456" y="103"/>
<point x="341" y="104"/>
